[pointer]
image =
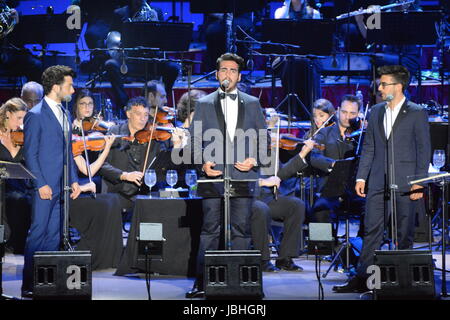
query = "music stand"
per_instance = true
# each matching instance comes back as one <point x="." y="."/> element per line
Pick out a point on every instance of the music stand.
<point x="336" y="186"/>
<point x="8" y="170"/>
<point x="223" y="6"/>
<point x="406" y="28"/>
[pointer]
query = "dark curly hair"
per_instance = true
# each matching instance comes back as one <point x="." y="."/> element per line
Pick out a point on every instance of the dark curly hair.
<point x="55" y="75"/>
<point x="136" y="101"/>
<point x="231" y="57"/>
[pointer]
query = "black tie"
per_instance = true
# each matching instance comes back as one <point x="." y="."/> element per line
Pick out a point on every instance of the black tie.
<point x="233" y="96"/>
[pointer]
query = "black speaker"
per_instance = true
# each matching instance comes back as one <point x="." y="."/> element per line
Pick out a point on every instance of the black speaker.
<point x="233" y="274"/>
<point x="405" y="274"/>
<point x="62" y="275"/>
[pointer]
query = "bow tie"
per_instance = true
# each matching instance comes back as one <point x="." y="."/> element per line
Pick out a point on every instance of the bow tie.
<point x="233" y="96"/>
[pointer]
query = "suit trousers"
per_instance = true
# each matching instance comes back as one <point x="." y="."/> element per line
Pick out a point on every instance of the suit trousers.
<point x="291" y="211"/>
<point x="376" y="220"/>
<point x="44" y="233"/>
<point x="240" y="212"/>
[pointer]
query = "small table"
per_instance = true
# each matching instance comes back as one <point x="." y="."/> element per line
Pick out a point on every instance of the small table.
<point x="181" y="219"/>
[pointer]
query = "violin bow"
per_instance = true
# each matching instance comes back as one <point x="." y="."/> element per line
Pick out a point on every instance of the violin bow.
<point x="322" y="126"/>
<point x="358" y="147"/>
<point x="277" y="156"/>
<point x="149" y="142"/>
<point x="88" y="165"/>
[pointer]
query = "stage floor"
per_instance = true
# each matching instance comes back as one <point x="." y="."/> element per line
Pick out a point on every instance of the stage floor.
<point x="277" y="286"/>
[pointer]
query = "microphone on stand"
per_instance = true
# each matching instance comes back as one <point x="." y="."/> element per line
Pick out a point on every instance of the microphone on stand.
<point x="123" y="67"/>
<point x="225" y="84"/>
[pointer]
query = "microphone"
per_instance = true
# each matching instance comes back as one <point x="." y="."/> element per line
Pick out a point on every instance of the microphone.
<point x="389" y="98"/>
<point x="67" y="98"/>
<point x="225" y="84"/>
<point x="123" y="67"/>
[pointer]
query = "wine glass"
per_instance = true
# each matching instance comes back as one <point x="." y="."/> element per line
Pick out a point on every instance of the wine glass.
<point x="191" y="181"/>
<point x="438" y="158"/>
<point x="171" y="178"/>
<point x="150" y="179"/>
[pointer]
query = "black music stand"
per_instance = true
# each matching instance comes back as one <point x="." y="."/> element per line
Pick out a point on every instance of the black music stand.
<point x="293" y="32"/>
<point x="406" y="28"/>
<point x="336" y="186"/>
<point x="8" y="170"/>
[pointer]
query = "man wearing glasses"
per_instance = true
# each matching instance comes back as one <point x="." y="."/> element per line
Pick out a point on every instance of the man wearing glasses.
<point x="396" y="145"/>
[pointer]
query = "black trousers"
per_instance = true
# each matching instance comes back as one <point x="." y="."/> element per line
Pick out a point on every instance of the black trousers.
<point x="290" y="210"/>
<point x="375" y="221"/>
<point x="240" y="212"/>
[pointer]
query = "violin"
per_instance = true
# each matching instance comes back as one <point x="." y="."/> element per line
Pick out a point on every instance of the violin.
<point x="290" y="142"/>
<point x="94" y="124"/>
<point x="153" y="132"/>
<point x="94" y="142"/>
<point x="17" y="137"/>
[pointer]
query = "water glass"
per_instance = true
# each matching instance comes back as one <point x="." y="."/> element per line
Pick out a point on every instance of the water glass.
<point x="171" y="178"/>
<point x="438" y="159"/>
<point x="191" y="181"/>
<point x="150" y="179"/>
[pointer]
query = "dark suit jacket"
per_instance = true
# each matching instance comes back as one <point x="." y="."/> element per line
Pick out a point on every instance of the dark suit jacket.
<point x="335" y="149"/>
<point x="126" y="156"/>
<point x="209" y="118"/>
<point x="411" y="144"/>
<point x="44" y="148"/>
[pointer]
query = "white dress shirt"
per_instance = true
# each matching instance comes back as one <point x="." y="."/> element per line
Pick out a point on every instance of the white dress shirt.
<point x="232" y="112"/>
<point x="56" y="108"/>
<point x="390" y="116"/>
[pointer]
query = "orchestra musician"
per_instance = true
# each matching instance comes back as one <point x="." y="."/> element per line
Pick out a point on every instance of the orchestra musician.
<point x="32" y="93"/>
<point x="16" y="215"/>
<point x="243" y="112"/>
<point x="44" y="153"/>
<point x="400" y="125"/>
<point x="337" y="147"/>
<point x="289" y="209"/>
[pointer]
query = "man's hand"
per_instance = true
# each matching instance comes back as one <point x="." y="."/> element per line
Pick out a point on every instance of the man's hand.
<point x="45" y="192"/>
<point x="134" y="177"/>
<point x="210" y="172"/>
<point x="245" y="166"/>
<point x="270" y="182"/>
<point x="416" y="195"/>
<point x="359" y="188"/>
<point x="76" y="190"/>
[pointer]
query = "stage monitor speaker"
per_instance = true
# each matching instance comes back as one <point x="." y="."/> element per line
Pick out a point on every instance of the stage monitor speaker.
<point x="320" y="239"/>
<point x="233" y="274"/>
<point x="405" y="274"/>
<point x="62" y="275"/>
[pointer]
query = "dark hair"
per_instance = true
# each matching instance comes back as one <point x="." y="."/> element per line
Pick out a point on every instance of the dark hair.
<point x="152" y="86"/>
<point x="351" y="98"/>
<point x="399" y="73"/>
<point x="55" y="75"/>
<point x="83" y="93"/>
<point x="182" y="105"/>
<point x="136" y="101"/>
<point x="325" y="106"/>
<point x="230" y="57"/>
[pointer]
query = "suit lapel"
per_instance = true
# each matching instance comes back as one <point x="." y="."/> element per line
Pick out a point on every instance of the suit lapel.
<point x="241" y="113"/>
<point x="219" y="112"/>
<point x="381" y="122"/>
<point x="401" y="115"/>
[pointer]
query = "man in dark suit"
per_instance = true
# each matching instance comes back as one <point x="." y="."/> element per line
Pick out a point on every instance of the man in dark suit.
<point x="397" y="144"/>
<point x="226" y="119"/>
<point x="44" y="150"/>
<point x="289" y="209"/>
<point x="122" y="170"/>
<point x="337" y="147"/>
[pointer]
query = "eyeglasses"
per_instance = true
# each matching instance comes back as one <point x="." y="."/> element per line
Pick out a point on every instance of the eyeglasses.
<point x="384" y="84"/>
<point x="84" y="104"/>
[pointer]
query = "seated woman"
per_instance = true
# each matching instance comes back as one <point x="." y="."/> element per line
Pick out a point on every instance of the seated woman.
<point x="98" y="219"/>
<point x="17" y="193"/>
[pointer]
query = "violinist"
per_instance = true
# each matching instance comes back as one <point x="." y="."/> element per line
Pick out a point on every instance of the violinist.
<point x="156" y="95"/>
<point x="337" y="147"/>
<point x="17" y="193"/>
<point x="99" y="219"/>
<point x="282" y="207"/>
<point x="123" y="168"/>
<point x="321" y="112"/>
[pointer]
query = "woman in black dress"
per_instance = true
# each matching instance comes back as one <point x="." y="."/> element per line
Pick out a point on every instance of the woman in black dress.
<point x="17" y="210"/>
<point x="99" y="219"/>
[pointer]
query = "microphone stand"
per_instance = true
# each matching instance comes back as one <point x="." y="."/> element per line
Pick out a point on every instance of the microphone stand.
<point x="66" y="182"/>
<point x="393" y="187"/>
<point x="226" y="176"/>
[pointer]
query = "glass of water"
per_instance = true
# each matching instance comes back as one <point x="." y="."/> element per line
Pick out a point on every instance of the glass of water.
<point x="171" y="178"/>
<point x="438" y="159"/>
<point x="150" y="179"/>
<point x="191" y="181"/>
